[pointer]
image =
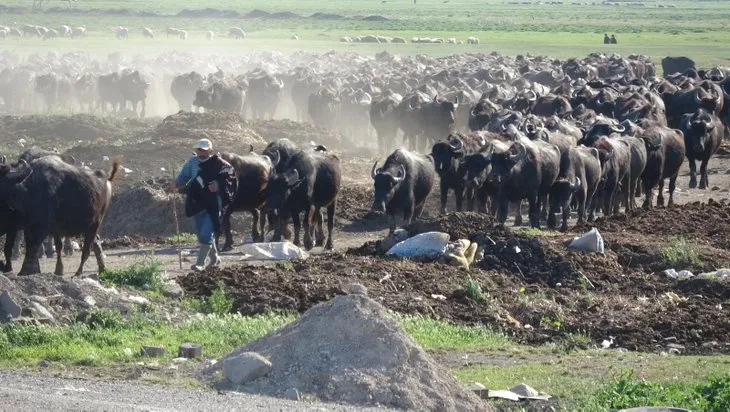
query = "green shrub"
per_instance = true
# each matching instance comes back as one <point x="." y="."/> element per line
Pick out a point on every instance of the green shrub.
<point x="146" y="274"/>
<point x="474" y="290"/>
<point x="681" y="252"/>
<point x="218" y="302"/>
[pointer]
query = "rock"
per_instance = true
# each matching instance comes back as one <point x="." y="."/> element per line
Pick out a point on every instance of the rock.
<point x="180" y="360"/>
<point x="190" y="350"/>
<point x="8" y="305"/>
<point x="127" y="352"/>
<point x="246" y="367"/>
<point x="44" y="363"/>
<point x="357" y="289"/>
<point x="137" y="299"/>
<point x="293" y="394"/>
<point x="480" y="390"/>
<point x="41" y="313"/>
<point x="38" y="299"/>
<point x="90" y="301"/>
<point x="172" y="289"/>
<point x="675" y="346"/>
<point x="152" y="351"/>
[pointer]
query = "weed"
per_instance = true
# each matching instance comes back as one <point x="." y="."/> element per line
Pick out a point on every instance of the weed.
<point x="218" y="302"/>
<point x="104" y="319"/>
<point x="145" y="274"/>
<point x="578" y="340"/>
<point x="287" y="265"/>
<point x="680" y="252"/>
<point x="182" y="239"/>
<point x="474" y="290"/>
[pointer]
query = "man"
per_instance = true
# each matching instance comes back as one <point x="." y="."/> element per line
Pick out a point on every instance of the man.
<point x="218" y="181"/>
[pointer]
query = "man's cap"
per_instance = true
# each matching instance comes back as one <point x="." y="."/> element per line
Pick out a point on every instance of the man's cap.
<point x="204" y="144"/>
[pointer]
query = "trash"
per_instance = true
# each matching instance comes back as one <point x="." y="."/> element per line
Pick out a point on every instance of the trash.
<point x="273" y="251"/>
<point x="127" y="170"/>
<point x="429" y="244"/>
<point x="439" y="297"/>
<point x="518" y="393"/>
<point x="461" y="253"/>
<point x="683" y="274"/>
<point x="720" y="274"/>
<point x="607" y="343"/>
<point x="105" y="158"/>
<point x="589" y="242"/>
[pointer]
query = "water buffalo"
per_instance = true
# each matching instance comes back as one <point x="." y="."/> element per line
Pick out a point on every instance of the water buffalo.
<point x="311" y="181"/>
<point x="184" y="87"/>
<point x="402" y="185"/>
<point x="220" y="97"/>
<point x="703" y="133"/>
<point x="665" y="154"/>
<point x="447" y="156"/>
<point x="56" y="198"/>
<point x="384" y="119"/>
<point x="671" y="65"/>
<point x="580" y="173"/>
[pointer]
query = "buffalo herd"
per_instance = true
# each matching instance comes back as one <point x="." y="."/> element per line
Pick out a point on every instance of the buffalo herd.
<point x="589" y="135"/>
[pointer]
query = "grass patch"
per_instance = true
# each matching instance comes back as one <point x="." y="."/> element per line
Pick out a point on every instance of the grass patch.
<point x="218" y="303"/>
<point x="712" y="394"/>
<point x="102" y="337"/>
<point x="145" y="274"/>
<point x="681" y="252"/>
<point x="474" y="290"/>
<point x="183" y="239"/>
<point x="436" y="335"/>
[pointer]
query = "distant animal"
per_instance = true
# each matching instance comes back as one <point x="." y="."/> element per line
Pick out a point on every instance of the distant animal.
<point x="613" y="39"/>
<point x="236" y="33"/>
<point x="147" y="33"/>
<point x="122" y="32"/>
<point x="209" y="35"/>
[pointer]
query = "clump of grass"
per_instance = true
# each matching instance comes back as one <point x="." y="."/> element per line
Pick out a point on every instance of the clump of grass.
<point x="681" y="252"/>
<point x="578" y="340"/>
<point x="218" y="303"/>
<point x="145" y="274"/>
<point x="474" y="290"/>
<point x="182" y="239"/>
<point x="628" y="392"/>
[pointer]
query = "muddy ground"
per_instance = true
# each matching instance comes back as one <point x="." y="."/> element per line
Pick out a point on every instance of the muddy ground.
<point x="543" y="293"/>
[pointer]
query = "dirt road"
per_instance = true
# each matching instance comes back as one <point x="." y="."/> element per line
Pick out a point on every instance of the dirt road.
<point x="35" y="391"/>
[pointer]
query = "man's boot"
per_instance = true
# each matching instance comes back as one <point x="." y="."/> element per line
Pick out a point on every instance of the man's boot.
<point x="202" y="254"/>
<point x="215" y="259"/>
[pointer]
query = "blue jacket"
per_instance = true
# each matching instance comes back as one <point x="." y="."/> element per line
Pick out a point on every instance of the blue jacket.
<point x="189" y="171"/>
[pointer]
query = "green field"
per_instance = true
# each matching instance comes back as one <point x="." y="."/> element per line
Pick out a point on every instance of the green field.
<point x="696" y="29"/>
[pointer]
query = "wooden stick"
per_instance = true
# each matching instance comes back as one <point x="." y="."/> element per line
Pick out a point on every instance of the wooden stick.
<point x="177" y="224"/>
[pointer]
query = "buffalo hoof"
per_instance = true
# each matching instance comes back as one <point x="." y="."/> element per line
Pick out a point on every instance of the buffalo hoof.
<point x="692" y="183"/>
<point x="328" y="246"/>
<point x="703" y="185"/>
<point x="564" y="228"/>
<point x="308" y="244"/>
<point x="319" y="240"/>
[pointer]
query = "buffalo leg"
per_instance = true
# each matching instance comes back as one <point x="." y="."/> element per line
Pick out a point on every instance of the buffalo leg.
<point x="566" y="208"/>
<point x="551" y="221"/>
<point x="649" y="192"/>
<point x="297" y="226"/>
<point x="330" y="224"/>
<point x="391" y="223"/>
<point x="534" y="204"/>
<point x="68" y="249"/>
<point x="518" y="213"/>
<point x="704" y="179"/>
<point x="459" y="197"/>
<point x="19" y="238"/>
<point x="608" y="196"/>
<point x="660" y="195"/>
<point x="31" y="264"/>
<point x="319" y="229"/>
<point x="255" y="217"/>
<point x="99" y="254"/>
<point x="692" y="173"/>
<point x="502" y="209"/>
<point x="584" y="199"/>
<point x="48" y="244"/>
<point x="226" y="226"/>
<point x="59" y="261"/>
<point x="408" y="214"/>
<point x="8" y="249"/>
<point x="544" y="207"/>
<point x="309" y="220"/>
<point x="89" y="239"/>
<point x="672" y="186"/>
<point x="444" y="197"/>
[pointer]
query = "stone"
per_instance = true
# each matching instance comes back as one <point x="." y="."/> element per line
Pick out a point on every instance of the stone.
<point x="190" y="350"/>
<point x="44" y="363"/>
<point x="357" y="289"/>
<point x="127" y="352"/>
<point x="246" y="367"/>
<point x="480" y="390"/>
<point x="8" y="305"/>
<point x="152" y="351"/>
<point x="41" y="313"/>
<point x="293" y="394"/>
<point x="172" y="290"/>
<point x="137" y="299"/>
<point x="90" y="301"/>
<point x="38" y="299"/>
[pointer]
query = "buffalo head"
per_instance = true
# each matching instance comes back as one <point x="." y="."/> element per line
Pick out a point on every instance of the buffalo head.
<point x="386" y="183"/>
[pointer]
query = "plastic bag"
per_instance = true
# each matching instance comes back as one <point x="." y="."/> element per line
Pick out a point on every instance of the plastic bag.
<point x="589" y="242"/>
<point x="273" y="251"/>
<point x="429" y="244"/>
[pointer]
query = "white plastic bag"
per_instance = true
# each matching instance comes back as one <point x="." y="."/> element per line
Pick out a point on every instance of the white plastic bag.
<point x="589" y="242"/>
<point x="429" y="244"/>
<point x="273" y="251"/>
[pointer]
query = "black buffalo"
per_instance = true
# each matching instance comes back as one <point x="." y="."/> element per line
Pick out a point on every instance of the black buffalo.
<point x="220" y="97"/>
<point x="580" y="173"/>
<point x="447" y="156"/>
<point x="703" y="133"/>
<point x="665" y="154"/>
<point x="402" y="185"/>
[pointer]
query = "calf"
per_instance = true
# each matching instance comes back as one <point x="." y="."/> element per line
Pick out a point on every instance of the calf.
<point x="527" y="171"/>
<point x="703" y="132"/>
<point x="310" y="182"/>
<point x="402" y="185"/>
<point x="253" y="172"/>
<point x="56" y="198"/>
<point x="580" y="173"/>
<point x="665" y="154"/>
<point x="447" y="156"/>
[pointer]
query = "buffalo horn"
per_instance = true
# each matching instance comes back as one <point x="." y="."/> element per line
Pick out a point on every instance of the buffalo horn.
<point x="697" y="95"/>
<point x="374" y="172"/>
<point x="18" y="171"/>
<point x="401" y="174"/>
<point x="277" y="158"/>
<point x="534" y="95"/>
<point x="575" y="186"/>
<point x="521" y="152"/>
<point x="458" y="146"/>
<point x="488" y="153"/>
<point x="618" y="129"/>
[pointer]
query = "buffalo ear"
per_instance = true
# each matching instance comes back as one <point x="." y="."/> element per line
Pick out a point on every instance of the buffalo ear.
<point x="292" y="179"/>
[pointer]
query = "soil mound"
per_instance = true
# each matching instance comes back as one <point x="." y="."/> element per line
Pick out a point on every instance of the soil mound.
<point x="459" y="225"/>
<point x="226" y="129"/>
<point x="209" y="13"/>
<point x="376" y="18"/>
<point x="144" y="211"/>
<point x="350" y="350"/>
<point x="326" y="16"/>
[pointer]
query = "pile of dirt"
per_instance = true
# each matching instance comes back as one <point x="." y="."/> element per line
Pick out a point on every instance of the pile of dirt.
<point x="209" y="13"/>
<point x="459" y="225"/>
<point x="353" y="202"/>
<point x="47" y="298"/>
<point x="224" y="129"/>
<point x="326" y="16"/>
<point x="349" y="350"/>
<point x="61" y="131"/>
<point x="143" y="211"/>
<point x="376" y="17"/>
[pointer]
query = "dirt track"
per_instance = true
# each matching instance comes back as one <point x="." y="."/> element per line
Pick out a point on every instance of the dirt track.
<point x="544" y="293"/>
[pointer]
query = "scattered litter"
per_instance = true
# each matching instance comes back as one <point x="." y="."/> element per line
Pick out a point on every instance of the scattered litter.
<point x="519" y="392"/>
<point x="673" y="297"/>
<point x="683" y="274"/>
<point x="429" y="244"/>
<point x="127" y="170"/>
<point x="607" y="343"/>
<point x="439" y="297"/>
<point x="273" y="251"/>
<point x="105" y="158"/>
<point x="721" y="274"/>
<point x="591" y="241"/>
